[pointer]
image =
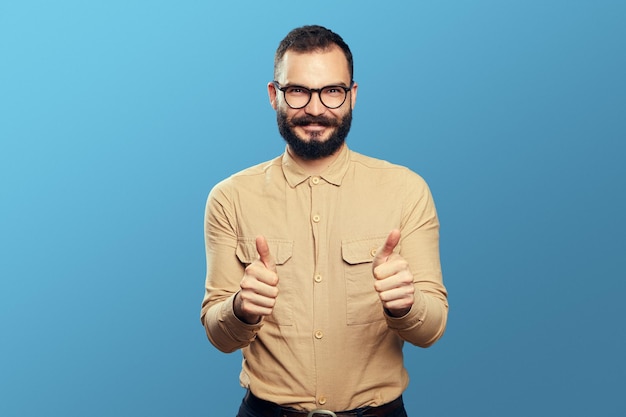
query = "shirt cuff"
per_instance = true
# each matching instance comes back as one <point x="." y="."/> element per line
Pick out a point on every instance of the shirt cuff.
<point x="238" y="329"/>
<point x="411" y="320"/>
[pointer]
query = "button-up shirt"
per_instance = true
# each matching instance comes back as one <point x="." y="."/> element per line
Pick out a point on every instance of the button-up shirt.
<point x="328" y="342"/>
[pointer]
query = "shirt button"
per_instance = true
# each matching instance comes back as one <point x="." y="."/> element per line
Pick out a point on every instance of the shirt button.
<point x="318" y="278"/>
<point x="316" y="218"/>
<point x="322" y="400"/>
<point x="373" y="252"/>
<point x="315" y="180"/>
<point x="319" y="334"/>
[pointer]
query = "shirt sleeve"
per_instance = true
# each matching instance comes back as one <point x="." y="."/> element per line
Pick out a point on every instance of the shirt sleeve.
<point x="425" y="323"/>
<point x="224" y="272"/>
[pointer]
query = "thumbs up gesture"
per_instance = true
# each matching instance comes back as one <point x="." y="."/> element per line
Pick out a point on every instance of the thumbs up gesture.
<point x="393" y="278"/>
<point x="259" y="286"/>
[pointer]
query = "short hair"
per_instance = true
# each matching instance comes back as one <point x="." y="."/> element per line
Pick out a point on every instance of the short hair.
<point x="312" y="38"/>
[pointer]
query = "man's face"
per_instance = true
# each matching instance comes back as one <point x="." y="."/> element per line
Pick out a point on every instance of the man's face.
<point x="314" y="131"/>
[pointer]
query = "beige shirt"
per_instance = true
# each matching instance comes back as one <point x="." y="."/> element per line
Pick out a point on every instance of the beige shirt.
<point x="328" y="343"/>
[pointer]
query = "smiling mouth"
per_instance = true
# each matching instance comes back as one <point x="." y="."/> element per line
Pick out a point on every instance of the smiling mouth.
<point x="314" y="126"/>
<point x="321" y="121"/>
<point x="314" y="131"/>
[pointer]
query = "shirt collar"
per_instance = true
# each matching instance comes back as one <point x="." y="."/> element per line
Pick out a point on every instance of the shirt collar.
<point x="295" y="175"/>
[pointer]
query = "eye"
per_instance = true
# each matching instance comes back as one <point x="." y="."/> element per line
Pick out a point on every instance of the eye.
<point x="334" y="90"/>
<point x="295" y="90"/>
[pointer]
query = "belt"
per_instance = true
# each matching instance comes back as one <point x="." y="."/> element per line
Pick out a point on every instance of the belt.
<point x="270" y="409"/>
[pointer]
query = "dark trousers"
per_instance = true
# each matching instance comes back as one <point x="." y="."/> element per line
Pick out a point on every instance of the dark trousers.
<point x="245" y="410"/>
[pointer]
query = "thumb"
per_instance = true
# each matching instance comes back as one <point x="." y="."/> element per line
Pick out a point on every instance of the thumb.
<point x="387" y="248"/>
<point x="264" y="253"/>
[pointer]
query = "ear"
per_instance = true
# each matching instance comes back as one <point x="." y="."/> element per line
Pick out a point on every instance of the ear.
<point x="353" y="95"/>
<point x="271" y="91"/>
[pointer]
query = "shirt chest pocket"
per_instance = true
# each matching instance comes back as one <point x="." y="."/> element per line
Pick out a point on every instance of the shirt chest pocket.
<point x="363" y="305"/>
<point x="282" y="251"/>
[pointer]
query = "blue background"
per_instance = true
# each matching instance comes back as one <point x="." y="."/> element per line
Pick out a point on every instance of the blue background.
<point x="117" y="118"/>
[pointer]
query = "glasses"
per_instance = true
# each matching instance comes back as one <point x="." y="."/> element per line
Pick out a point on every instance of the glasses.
<point x="331" y="96"/>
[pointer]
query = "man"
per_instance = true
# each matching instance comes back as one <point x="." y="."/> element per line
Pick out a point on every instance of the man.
<point x="322" y="262"/>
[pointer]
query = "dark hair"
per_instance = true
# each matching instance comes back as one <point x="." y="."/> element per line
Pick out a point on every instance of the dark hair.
<point x="312" y="38"/>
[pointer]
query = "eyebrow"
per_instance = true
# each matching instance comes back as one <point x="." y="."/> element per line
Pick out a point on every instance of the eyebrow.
<point x="340" y="83"/>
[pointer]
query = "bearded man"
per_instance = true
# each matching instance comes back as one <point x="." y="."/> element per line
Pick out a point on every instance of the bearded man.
<point x="322" y="262"/>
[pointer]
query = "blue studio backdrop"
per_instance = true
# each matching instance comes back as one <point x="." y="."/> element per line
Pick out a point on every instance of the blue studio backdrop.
<point x="117" y="118"/>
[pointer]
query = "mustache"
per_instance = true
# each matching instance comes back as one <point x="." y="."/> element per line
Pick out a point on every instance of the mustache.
<point x="319" y="120"/>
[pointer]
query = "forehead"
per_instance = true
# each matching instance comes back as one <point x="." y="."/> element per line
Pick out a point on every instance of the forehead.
<point x="315" y="68"/>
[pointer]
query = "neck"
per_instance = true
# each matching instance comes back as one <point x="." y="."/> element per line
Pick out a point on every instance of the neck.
<point x="314" y="166"/>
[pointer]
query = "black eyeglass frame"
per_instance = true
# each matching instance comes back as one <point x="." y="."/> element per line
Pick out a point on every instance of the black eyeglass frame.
<point x="346" y="90"/>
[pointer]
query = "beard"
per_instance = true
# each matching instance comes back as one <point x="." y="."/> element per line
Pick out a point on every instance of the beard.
<point x="314" y="148"/>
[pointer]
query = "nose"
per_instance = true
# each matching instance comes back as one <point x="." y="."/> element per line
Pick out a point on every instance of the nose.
<point x="315" y="106"/>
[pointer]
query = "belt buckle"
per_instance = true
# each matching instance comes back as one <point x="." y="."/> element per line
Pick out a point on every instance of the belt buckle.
<point x="321" y="413"/>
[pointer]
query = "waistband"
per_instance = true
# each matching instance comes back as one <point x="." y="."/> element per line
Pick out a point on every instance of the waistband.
<point x="270" y="409"/>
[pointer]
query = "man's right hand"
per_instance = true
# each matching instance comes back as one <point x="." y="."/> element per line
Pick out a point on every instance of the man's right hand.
<point x="259" y="286"/>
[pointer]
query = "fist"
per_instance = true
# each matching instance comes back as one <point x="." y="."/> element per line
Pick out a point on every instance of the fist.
<point x="259" y="286"/>
<point x="393" y="278"/>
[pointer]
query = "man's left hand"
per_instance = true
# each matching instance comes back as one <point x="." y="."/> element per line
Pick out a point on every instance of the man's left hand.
<point x="394" y="280"/>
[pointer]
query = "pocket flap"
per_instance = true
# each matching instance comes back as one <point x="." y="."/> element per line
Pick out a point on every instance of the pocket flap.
<point x="358" y="251"/>
<point x="280" y="249"/>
